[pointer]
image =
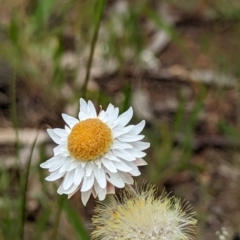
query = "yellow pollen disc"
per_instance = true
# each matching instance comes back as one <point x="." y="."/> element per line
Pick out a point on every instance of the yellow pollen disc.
<point x="89" y="139"/>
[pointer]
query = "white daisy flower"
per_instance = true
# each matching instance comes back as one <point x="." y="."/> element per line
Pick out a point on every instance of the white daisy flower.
<point x="96" y="153"/>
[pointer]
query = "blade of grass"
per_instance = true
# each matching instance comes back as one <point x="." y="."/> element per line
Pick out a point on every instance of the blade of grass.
<point x="127" y="96"/>
<point x="14" y="119"/>
<point x="58" y="217"/>
<point x="24" y="191"/>
<point x="228" y="129"/>
<point x="76" y="221"/>
<point x="157" y="19"/>
<point x="180" y="113"/>
<point x="14" y="110"/>
<point x="100" y="9"/>
<point x="187" y="144"/>
<point x="43" y="11"/>
<point x="171" y="32"/>
<point x="5" y="210"/>
<point x="135" y="38"/>
<point x="42" y="222"/>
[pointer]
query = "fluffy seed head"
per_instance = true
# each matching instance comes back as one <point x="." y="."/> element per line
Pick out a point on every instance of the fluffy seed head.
<point x="142" y="216"/>
<point x="89" y="139"/>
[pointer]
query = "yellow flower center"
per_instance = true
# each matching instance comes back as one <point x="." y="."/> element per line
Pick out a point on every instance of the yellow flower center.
<point x="89" y="139"/>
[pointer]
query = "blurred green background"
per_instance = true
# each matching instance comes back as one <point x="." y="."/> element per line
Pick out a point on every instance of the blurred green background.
<point x="176" y="62"/>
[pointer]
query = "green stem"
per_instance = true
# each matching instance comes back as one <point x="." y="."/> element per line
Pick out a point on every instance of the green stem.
<point x="14" y="119"/>
<point x="14" y="110"/>
<point x="100" y="9"/>
<point x="24" y="191"/>
<point x="58" y="217"/>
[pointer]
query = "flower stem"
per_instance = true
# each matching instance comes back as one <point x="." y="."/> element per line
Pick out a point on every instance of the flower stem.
<point x="100" y="10"/>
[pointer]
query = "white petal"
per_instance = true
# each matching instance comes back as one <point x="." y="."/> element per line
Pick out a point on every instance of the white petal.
<point x="60" y="132"/>
<point x="85" y="196"/>
<point x="78" y="175"/>
<point x="102" y="115"/>
<point x="98" y="163"/>
<point x="137" y="128"/>
<point x="71" y="121"/>
<point x="114" y="179"/>
<point x="89" y="168"/>
<point x="56" y="165"/>
<point x="109" y="109"/>
<point x="83" y="106"/>
<point x="67" y="165"/>
<point x="54" y="176"/>
<point x="124" y="154"/>
<point x="140" y="145"/>
<point x="60" y="150"/>
<point x="49" y="162"/>
<point x="54" y="136"/>
<point x="82" y="116"/>
<point x="68" y="130"/>
<point x="140" y="162"/>
<point x="83" y="164"/>
<point x="73" y="165"/>
<point x="136" y="153"/>
<point x="111" y="156"/>
<point x="72" y="193"/>
<point x="125" y="117"/>
<point x="87" y="183"/>
<point x="113" y="124"/>
<point x="68" y="180"/>
<point x="122" y="166"/>
<point x="60" y="189"/>
<point x="122" y="130"/>
<point x="126" y="177"/>
<point x="100" y="177"/>
<point x="130" y="138"/>
<point x="111" y="118"/>
<point x="134" y="171"/>
<point x="109" y="165"/>
<point x="120" y="145"/>
<point x="72" y="189"/>
<point x="91" y="109"/>
<point x="46" y="164"/>
<point x="101" y="192"/>
<point x="114" y="115"/>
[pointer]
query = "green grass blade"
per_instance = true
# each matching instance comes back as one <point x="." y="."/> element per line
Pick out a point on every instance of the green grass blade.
<point x="43" y="10"/>
<point x="99" y="14"/>
<point x="76" y="221"/>
<point x="57" y="218"/>
<point x="24" y="191"/>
